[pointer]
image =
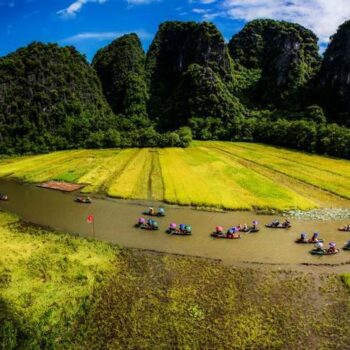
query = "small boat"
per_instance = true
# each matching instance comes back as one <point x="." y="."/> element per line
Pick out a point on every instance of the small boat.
<point x="278" y="226"/>
<point x="149" y="224"/>
<point x="344" y="229"/>
<point x="308" y="241"/>
<point x="84" y="200"/>
<point x="225" y="235"/>
<point x="181" y="230"/>
<point x="147" y="227"/>
<point x="4" y="197"/>
<point x="178" y="232"/>
<point x="250" y="230"/>
<point x="158" y="214"/>
<point x="323" y="252"/>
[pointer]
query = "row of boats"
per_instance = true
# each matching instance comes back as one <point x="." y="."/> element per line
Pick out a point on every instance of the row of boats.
<point x="235" y="232"/>
<point x="231" y="233"/>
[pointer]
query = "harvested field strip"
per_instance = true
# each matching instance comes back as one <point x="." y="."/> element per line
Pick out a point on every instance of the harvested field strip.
<point x="333" y="183"/>
<point x="130" y="182"/>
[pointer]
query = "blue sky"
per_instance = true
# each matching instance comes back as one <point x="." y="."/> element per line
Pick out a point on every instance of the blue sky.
<point x="91" y="24"/>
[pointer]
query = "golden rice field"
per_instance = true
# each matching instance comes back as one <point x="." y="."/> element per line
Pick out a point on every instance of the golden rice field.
<point x="211" y="174"/>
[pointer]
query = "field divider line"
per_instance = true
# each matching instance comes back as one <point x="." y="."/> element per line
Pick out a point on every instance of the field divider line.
<point x="281" y="172"/>
<point x="160" y="173"/>
<point x="149" y="185"/>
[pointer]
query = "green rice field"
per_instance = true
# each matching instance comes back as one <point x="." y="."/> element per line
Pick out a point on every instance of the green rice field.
<point x="235" y="176"/>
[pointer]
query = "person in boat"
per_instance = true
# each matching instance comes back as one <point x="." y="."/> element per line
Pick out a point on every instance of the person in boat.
<point x="314" y="238"/>
<point x="232" y="231"/>
<point x="188" y="228"/>
<point x="303" y="238"/>
<point x="219" y="230"/>
<point x="286" y="223"/>
<point x="244" y="228"/>
<point x="141" y="221"/>
<point x="347" y="245"/>
<point x="255" y="225"/>
<point x="151" y="223"/>
<point x="182" y="228"/>
<point x="161" y="211"/>
<point x="275" y="223"/>
<point x="332" y="248"/>
<point x="319" y="246"/>
<point x="151" y="210"/>
<point x="172" y="227"/>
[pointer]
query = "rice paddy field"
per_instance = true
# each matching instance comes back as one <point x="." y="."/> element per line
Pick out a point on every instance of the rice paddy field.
<point x="235" y="176"/>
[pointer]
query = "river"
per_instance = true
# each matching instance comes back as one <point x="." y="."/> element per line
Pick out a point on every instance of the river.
<point x="114" y="221"/>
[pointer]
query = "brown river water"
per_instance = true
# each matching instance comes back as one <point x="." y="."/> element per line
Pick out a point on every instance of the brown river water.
<point x="114" y="221"/>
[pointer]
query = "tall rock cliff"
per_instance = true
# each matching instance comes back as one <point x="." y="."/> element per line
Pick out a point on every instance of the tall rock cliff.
<point x="50" y="98"/>
<point x="334" y="78"/>
<point x="190" y="74"/>
<point x="121" y="68"/>
<point x="284" y="56"/>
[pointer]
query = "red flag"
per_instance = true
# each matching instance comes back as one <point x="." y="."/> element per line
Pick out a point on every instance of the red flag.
<point x="90" y="219"/>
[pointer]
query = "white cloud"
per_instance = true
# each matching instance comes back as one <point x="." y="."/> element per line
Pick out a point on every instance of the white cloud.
<point x="321" y="16"/>
<point x="140" y="2"/>
<point x="72" y="10"/>
<point x="200" y="11"/>
<point x="102" y="36"/>
<point x="75" y="7"/>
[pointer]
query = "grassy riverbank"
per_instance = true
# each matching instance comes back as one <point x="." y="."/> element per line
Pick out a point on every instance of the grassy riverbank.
<point x="212" y="174"/>
<point x="64" y="292"/>
<point x="46" y="282"/>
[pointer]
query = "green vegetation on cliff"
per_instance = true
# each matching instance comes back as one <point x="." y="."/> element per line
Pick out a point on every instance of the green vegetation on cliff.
<point x="282" y="57"/>
<point x="50" y="98"/>
<point x="121" y="68"/>
<point x="190" y="74"/>
<point x="270" y="73"/>
<point x="334" y="78"/>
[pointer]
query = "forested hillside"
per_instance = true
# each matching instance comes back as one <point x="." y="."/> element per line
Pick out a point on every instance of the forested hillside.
<point x="268" y="84"/>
